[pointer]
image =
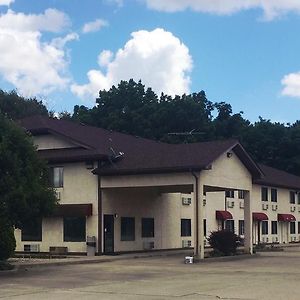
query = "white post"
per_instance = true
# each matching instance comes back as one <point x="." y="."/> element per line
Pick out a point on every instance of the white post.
<point x="248" y="223"/>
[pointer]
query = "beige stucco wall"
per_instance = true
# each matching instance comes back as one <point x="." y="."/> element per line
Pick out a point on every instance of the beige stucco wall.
<point x="51" y="141"/>
<point x="80" y="186"/>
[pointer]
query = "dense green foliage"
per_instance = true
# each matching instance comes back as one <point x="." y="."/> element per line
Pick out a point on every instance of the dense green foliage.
<point x="7" y="241"/>
<point x="24" y="191"/>
<point x="130" y="108"/>
<point x="17" y="107"/>
<point x="224" y="242"/>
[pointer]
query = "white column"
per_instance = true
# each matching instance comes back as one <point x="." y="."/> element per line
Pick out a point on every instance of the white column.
<point x="248" y="223"/>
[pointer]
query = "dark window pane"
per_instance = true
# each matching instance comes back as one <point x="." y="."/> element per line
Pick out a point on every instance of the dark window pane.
<point x="127" y="229"/>
<point x="74" y="229"/>
<point x="57" y="177"/>
<point x="229" y="225"/>
<point x="241" y="227"/>
<point x="32" y="231"/>
<point x="186" y="227"/>
<point x="204" y="227"/>
<point x="292" y="227"/>
<point x="229" y="194"/>
<point x="264" y="194"/>
<point x="264" y="227"/>
<point x="274" y="195"/>
<point x="298" y="197"/>
<point x="147" y="227"/>
<point x="241" y="194"/>
<point x="274" y="227"/>
<point x="292" y="197"/>
<point x="298" y="227"/>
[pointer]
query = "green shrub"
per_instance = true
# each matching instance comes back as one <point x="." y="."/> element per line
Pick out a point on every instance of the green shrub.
<point x="7" y="241"/>
<point x="223" y="241"/>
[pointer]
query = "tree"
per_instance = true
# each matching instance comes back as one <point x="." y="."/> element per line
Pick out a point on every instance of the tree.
<point x="24" y="190"/>
<point x="17" y="107"/>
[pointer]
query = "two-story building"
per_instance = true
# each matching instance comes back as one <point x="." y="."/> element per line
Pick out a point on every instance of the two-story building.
<point x="135" y="194"/>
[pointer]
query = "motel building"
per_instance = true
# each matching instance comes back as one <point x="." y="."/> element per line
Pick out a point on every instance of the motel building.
<point x="119" y="193"/>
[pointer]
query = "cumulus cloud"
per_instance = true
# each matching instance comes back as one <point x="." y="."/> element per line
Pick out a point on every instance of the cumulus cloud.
<point x="32" y="65"/>
<point x="271" y="8"/>
<point x="156" y="57"/>
<point x="291" y="83"/>
<point x="6" y="2"/>
<point x="94" y="26"/>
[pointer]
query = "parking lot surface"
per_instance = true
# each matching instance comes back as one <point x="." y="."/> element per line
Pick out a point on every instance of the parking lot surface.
<point x="272" y="275"/>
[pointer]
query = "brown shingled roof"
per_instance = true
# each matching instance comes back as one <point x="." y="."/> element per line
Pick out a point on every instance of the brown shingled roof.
<point x="278" y="178"/>
<point x="140" y="155"/>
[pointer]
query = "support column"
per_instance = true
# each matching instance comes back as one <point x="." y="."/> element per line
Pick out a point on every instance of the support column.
<point x="248" y="223"/>
<point x="198" y="218"/>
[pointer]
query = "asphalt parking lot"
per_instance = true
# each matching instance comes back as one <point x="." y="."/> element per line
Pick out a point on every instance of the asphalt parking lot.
<point x="272" y="275"/>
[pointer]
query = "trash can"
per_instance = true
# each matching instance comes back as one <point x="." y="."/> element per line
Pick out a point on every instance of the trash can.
<point x="91" y="245"/>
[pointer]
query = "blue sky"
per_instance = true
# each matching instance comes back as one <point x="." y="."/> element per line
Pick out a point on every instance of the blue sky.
<point x="65" y="51"/>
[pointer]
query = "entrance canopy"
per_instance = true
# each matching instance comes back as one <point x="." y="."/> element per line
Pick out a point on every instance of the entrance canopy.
<point x="257" y="216"/>
<point x="73" y="210"/>
<point x="286" y="218"/>
<point x="223" y="215"/>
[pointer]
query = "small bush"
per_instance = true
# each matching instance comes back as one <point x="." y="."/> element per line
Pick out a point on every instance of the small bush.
<point x="7" y="242"/>
<point x="224" y="241"/>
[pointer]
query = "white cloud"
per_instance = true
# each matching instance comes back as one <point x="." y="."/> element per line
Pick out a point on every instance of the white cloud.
<point x="291" y="84"/>
<point x="271" y="8"/>
<point x="156" y="57"/>
<point x="33" y="66"/>
<point x="6" y="2"/>
<point x="51" y="20"/>
<point x="94" y="26"/>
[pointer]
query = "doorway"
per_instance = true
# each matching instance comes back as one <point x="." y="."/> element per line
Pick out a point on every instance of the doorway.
<point x="108" y="234"/>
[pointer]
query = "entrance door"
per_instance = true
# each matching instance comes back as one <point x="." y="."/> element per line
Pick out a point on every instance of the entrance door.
<point x="108" y="234"/>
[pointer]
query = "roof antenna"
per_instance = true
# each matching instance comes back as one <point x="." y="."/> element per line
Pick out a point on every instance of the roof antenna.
<point x="186" y="134"/>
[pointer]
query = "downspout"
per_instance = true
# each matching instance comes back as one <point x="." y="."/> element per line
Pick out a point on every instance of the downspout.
<point x="197" y="213"/>
<point x="100" y="231"/>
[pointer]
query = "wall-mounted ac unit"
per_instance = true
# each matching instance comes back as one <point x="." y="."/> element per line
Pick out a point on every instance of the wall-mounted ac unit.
<point x="58" y="195"/>
<point x="242" y="205"/>
<point x="274" y="207"/>
<point x="32" y="248"/>
<point x="265" y="206"/>
<point x="293" y="208"/>
<point x="186" y="200"/>
<point x="230" y="204"/>
<point x="186" y="243"/>
<point x="148" y="245"/>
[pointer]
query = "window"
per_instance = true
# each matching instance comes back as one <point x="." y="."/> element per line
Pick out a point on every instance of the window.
<point x="292" y="227"/>
<point x="298" y="197"/>
<point x="274" y="227"/>
<point x="241" y="194"/>
<point x="204" y="227"/>
<point x="274" y="195"/>
<point x="229" y="225"/>
<point x="292" y="197"/>
<point x="186" y="227"/>
<point x="229" y="194"/>
<point x="147" y="227"/>
<point x="298" y="227"/>
<point x="264" y="194"/>
<point x="127" y="229"/>
<point x="74" y="229"/>
<point x="241" y="227"/>
<point x="57" y="177"/>
<point x="264" y="227"/>
<point x="32" y="231"/>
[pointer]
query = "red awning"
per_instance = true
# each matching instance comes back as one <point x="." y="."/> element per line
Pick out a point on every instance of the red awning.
<point x="223" y="215"/>
<point x="259" y="216"/>
<point x="73" y="210"/>
<point x="286" y="218"/>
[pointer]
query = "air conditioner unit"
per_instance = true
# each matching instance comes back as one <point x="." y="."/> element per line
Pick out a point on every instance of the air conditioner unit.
<point x="186" y="200"/>
<point x="58" y="195"/>
<point x="242" y="205"/>
<point x="293" y="208"/>
<point x="32" y="248"/>
<point x="186" y="243"/>
<point x="148" y="245"/>
<point x="274" y="207"/>
<point x="265" y="206"/>
<point x="230" y="204"/>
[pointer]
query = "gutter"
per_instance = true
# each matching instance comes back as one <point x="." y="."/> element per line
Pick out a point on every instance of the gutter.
<point x="196" y="247"/>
